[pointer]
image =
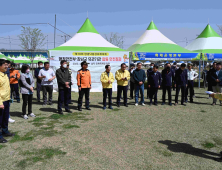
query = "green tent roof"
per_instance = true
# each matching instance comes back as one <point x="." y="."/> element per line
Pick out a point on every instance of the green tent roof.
<point x="87" y="27"/>
<point x="152" y="26"/>
<point x="208" y="32"/>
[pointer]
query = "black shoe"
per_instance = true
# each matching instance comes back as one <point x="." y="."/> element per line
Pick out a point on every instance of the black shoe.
<point x="163" y="103"/>
<point x="38" y="101"/>
<point x="191" y="101"/>
<point x="2" y="140"/>
<point x="126" y="105"/>
<point x="60" y="112"/>
<point x="88" y="108"/>
<point x="155" y="104"/>
<point x="183" y="104"/>
<point x="80" y="109"/>
<point x="118" y="105"/>
<point x="69" y="111"/>
<point x="50" y="103"/>
<point x="170" y="104"/>
<point x="8" y="134"/>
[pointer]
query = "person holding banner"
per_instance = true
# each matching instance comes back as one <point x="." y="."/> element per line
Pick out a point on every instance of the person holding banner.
<point x="122" y="76"/>
<point x="47" y="75"/>
<point x="84" y="84"/>
<point x="63" y="79"/>
<point x="217" y="82"/>
<point x="107" y="79"/>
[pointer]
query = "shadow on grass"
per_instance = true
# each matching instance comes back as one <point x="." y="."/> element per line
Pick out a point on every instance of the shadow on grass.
<point x="189" y="149"/>
<point x="53" y="110"/>
<point x="16" y="114"/>
<point x="38" y="155"/>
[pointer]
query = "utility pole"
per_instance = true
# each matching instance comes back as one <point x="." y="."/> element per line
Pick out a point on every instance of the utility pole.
<point x="9" y="42"/>
<point x="47" y="41"/>
<point x="55" y="31"/>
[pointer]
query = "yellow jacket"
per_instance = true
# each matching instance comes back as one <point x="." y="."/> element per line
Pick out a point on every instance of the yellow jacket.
<point x="218" y="96"/>
<point x="119" y="75"/>
<point x="104" y="79"/>
<point x="4" y="88"/>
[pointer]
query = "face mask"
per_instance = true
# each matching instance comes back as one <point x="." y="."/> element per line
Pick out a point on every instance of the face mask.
<point x="41" y="66"/>
<point x="65" y="66"/>
<point x="27" y="71"/>
<point x="151" y="67"/>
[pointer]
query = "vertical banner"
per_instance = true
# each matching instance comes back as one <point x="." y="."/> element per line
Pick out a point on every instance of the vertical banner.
<point x="96" y="60"/>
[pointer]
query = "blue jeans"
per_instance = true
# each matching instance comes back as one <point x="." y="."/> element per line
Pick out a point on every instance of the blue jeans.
<point x="137" y="89"/>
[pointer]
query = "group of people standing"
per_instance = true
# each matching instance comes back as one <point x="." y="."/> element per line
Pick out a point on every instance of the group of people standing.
<point x="178" y="78"/>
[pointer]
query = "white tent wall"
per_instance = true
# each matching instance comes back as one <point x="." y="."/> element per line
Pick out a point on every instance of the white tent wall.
<point x="95" y="67"/>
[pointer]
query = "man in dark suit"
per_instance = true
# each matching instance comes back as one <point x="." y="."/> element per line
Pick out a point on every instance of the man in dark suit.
<point x="209" y="79"/>
<point x="154" y="82"/>
<point x="64" y="79"/>
<point x="148" y="73"/>
<point x="217" y="82"/>
<point x="167" y="76"/>
<point x="38" y="80"/>
<point x="173" y="69"/>
<point x="180" y="83"/>
<point x="132" y="81"/>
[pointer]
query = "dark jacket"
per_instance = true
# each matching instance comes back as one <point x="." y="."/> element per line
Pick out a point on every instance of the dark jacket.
<point x="37" y="74"/>
<point x="180" y="77"/>
<point x="131" y="77"/>
<point x="167" y="77"/>
<point x="154" y="80"/>
<point x="148" y="72"/>
<point x="8" y="73"/>
<point x="62" y="76"/>
<point x="214" y="77"/>
<point x="139" y="75"/>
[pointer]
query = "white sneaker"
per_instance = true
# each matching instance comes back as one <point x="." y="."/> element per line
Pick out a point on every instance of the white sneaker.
<point x="32" y="115"/>
<point x="143" y="104"/>
<point x="25" y="117"/>
<point x="136" y="104"/>
<point x="11" y="120"/>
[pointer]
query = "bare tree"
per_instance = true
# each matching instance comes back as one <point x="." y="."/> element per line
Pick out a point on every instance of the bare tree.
<point x="220" y="29"/>
<point x="115" y="39"/>
<point x="31" y="38"/>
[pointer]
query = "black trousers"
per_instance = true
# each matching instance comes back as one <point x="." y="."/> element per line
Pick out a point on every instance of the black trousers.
<point x="183" y="91"/>
<point x="132" y="89"/>
<point x="81" y="94"/>
<point x="168" y="89"/>
<point x="38" y="86"/>
<point x="47" y="89"/>
<point x="15" y="89"/>
<point x="190" y="87"/>
<point x="63" y="98"/>
<point x="4" y="115"/>
<point x="120" y="89"/>
<point x="109" y="93"/>
<point x="148" y="92"/>
<point x="27" y="99"/>
<point x="153" y="92"/>
<point x="69" y="94"/>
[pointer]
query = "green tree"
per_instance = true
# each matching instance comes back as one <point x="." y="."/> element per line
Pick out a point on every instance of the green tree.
<point x="31" y="38"/>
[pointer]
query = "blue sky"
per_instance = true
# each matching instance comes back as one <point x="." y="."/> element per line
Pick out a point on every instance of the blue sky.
<point x="176" y="19"/>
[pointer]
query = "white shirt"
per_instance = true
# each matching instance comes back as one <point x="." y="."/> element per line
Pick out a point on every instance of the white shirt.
<point x="49" y="74"/>
<point x="191" y="74"/>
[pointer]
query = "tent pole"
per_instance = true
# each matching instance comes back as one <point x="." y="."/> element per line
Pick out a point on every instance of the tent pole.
<point x="199" y="69"/>
<point x="55" y="31"/>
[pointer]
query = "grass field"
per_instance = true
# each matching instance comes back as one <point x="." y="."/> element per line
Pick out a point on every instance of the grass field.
<point x="142" y="137"/>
